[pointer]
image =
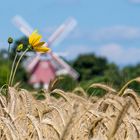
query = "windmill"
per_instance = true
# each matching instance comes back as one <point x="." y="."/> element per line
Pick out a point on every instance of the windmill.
<point x="53" y="66"/>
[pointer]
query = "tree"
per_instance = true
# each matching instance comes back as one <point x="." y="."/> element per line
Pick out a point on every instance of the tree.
<point x="113" y="76"/>
<point x="89" y="65"/>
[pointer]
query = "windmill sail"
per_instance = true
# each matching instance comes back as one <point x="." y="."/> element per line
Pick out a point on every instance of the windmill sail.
<point x="22" y="25"/>
<point x="56" y="37"/>
<point x="62" y="31"/>
<point x="69" y="69"/>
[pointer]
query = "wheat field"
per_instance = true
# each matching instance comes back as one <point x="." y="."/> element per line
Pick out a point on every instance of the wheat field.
<point x="72" y="116"/>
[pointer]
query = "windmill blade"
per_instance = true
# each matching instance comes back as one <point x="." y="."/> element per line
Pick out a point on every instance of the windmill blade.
<point x="26" y="29"/>
<point x="62" y="54"/>
<point x="58" y="35"/>
<point x="66" y="66"/>
<point x="62" y="31"/>
<point x="22" y="25"/>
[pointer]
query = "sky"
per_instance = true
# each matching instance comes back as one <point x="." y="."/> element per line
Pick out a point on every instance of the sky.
<point x="109" y="28"/>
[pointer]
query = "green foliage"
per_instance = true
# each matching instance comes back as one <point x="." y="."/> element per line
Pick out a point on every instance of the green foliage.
<point x="4" y="70"/>
<point x="40" y="95"/>
<point x="3" y="73"/>
<point x="131" y="72"/>
<point x="22" y="40"/>
<point x="96" y="92"/>
<point x="113" y="76"/>
<point x="89" y="65"/>
<point x="63" y="82"/>
<point x="21" y="75"/>
<point x="92" y="69"/>
<point x="95" y="69"/>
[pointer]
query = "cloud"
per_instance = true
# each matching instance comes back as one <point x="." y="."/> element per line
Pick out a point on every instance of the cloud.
<point x="113" y="52"/>
<point x="135" y="1"/>
<point x="114" y="33"/>
<point x="75" y="50"/>
<point x="118" y="33"/>
<point x="108" y="34"/>
<point x="120" y="54"/>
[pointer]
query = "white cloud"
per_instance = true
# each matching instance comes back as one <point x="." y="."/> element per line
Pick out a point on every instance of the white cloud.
<point x="119" y="54"/>
<point x="113" y="52"/>
<point x="135" y="1"/>
<point x="114" y="33"/>
<point x="118" y="33"/>
<point x="107" y="34"/>
<point x="75" y="50"/>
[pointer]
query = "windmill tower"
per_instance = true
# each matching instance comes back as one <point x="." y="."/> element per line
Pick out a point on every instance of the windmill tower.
<point x="42" y="71"/>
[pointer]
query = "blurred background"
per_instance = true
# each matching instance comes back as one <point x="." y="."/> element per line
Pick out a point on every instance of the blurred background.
<point x="104" y="46"/>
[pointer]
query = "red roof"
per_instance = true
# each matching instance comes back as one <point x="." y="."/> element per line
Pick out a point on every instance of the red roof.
<point x="43" y="72"/>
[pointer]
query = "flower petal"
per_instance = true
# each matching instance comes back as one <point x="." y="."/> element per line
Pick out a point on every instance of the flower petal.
<point x="42" y="49"/>
<point x="31" y="37"/>
<point x="34" y="38"/>
<point x="34" y="41"/>
<point x="40" y="44"/>
<point x="37" y="39"/>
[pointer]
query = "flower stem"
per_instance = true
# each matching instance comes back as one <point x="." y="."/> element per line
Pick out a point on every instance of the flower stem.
<point x="17" y="65"/>
<point x="8" y="62"/>
<point x="12" y="68"/>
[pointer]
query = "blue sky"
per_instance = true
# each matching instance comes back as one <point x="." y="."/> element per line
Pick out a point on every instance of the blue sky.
<point x="109" y="28"/>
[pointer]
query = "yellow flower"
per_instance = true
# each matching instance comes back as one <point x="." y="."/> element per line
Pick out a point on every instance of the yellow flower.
<point x="37" y="45"/>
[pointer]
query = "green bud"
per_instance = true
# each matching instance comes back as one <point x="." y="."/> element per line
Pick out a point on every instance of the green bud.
<point x="19" y="47"/>
<point x="10" y="40"/>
